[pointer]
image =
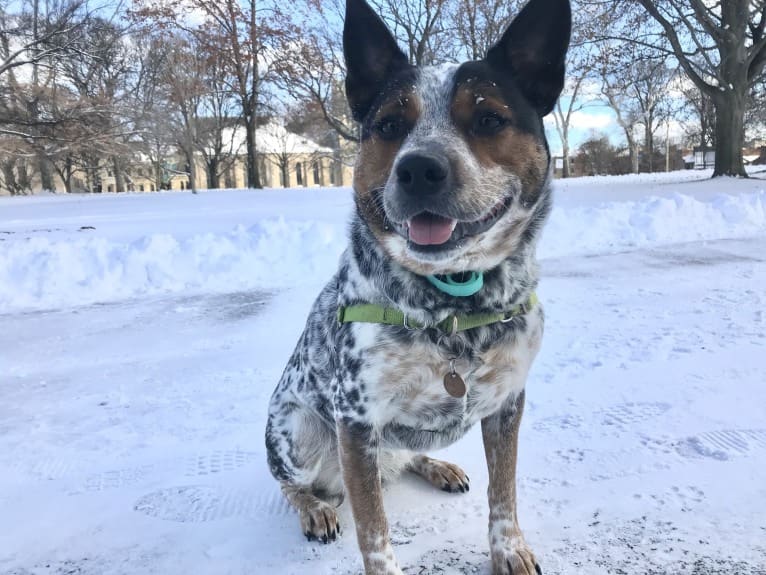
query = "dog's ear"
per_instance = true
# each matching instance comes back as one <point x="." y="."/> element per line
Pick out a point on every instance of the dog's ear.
<point x="534" y="49"/>
<point x="372" y="55"/>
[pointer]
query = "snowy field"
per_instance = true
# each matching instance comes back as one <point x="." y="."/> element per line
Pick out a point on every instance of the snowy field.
<point x="142" y="336"/>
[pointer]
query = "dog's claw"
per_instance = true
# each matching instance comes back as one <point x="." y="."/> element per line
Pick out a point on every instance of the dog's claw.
<point x="319" y="522"/>
<point x="538" y="570"/>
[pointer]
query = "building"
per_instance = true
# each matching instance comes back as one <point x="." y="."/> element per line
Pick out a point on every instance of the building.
<point x="284" y="160"/>
<point x="287" y="160"/>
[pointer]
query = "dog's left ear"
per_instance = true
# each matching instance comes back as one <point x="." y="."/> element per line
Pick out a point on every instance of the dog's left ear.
<point x="534" y="49"/>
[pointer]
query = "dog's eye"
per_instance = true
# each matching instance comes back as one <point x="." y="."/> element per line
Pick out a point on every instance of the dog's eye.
<point x="489" y="123"/>
<point x="391" y="128"/>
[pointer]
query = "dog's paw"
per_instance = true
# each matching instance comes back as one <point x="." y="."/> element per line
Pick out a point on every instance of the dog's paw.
<point x="514" y="558"/>
<point x="446" y="476"/>
<point x="319" y="522"/>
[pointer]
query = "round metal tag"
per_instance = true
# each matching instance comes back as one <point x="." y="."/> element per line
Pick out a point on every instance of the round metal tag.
<point x="454" y="384"/>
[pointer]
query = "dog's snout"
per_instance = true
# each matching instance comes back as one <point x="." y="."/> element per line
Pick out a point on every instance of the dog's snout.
<point x="419" y="174"/>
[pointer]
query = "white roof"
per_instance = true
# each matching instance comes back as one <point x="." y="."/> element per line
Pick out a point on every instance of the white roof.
<point x="274" y="138"/>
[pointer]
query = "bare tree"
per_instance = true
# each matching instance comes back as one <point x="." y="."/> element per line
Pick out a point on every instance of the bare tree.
<point x="420" y="25"/>
<point x="481" y="23"/>
<point x="100" y="70"/>
<point x="650" y="91"/>
<point x="33" y="38"/>
<point x="247" y="33"/>
<point x="582" y="62"/>
<point x="310" y="68"/>
<point x="721" y="47"/>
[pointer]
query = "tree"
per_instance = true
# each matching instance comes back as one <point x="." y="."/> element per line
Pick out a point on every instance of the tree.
<point x="310" y="68"/>
<point x="31" y="38"/>
<point x="598" y="156"/>
<point x="420" y="25"/>
<point x="101" y="70"/>
<point x="650" y="91"/>
<point x="634" y="75"/>
<point x="481" y="23"/>
<point x="582" y="60"/>
<point x="248" y="34"/>
<point x="701" y="131"/>
<point x="721" y="47"/>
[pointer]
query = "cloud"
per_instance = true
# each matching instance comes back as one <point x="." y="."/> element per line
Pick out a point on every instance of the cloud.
<point x="584" y="120"/>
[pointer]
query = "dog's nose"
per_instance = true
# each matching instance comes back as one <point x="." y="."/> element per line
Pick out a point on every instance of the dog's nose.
<point x="419" y="174"/>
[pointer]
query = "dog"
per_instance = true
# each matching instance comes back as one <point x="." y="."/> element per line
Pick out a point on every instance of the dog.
<point x="430" y="323"/>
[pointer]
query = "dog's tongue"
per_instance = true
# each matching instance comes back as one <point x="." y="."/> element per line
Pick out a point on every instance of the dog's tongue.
<point x="430" y="229"/>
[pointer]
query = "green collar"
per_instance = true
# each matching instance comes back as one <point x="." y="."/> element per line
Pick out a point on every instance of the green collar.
<point x="371" y="313"/>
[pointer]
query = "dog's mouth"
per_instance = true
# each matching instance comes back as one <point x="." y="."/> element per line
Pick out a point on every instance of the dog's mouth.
<point x="428" y="231"/>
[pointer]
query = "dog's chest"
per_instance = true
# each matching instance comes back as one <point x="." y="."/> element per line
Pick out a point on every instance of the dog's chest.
<point x="404" y="387"/>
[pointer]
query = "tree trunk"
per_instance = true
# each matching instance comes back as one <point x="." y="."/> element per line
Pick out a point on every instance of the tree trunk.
<point x="119" y="179"/>
<point x="46" y="175"/>
<point x="283" y="168"/>
<point x="192" y="176"/>
<point x="632" y="150"/>
<point x="729" y="134"/>
<point x="10" y="178"/>
<point x="649" y="147"/>
<point x="633" y="157"/>
<point x="253" y="177"/>
<point x="212" y="175"/>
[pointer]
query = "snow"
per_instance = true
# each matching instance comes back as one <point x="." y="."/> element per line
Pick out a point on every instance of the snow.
<point x="65" y="250"/>
<point x="138" y="358"/>
<point x="273" y="138"/>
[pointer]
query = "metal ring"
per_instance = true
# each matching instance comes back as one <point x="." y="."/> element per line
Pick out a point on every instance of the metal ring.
<point x="449" y="356"/>
<point x="406" y="326"/>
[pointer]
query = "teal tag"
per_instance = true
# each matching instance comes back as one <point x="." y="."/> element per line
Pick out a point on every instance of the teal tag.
<point x="467" y="285"/>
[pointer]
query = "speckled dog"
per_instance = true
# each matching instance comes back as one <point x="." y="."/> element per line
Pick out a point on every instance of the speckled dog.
<point x="430" y="323"/>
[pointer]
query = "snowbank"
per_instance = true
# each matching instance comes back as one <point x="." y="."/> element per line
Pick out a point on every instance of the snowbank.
<point x="42" y="270"/>
<point x="655" y="220"/>
<point x="46" y="273"/>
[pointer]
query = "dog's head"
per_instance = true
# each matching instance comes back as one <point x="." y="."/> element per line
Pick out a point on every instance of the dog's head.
<point x="453" y="165"/>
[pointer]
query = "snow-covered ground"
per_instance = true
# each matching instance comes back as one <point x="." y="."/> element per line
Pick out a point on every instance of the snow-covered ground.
<point x="143" y="334"/>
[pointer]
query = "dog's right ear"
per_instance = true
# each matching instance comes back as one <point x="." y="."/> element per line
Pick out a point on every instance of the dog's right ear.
<point x="371" y="53"/>
<point x="534" y="48"/>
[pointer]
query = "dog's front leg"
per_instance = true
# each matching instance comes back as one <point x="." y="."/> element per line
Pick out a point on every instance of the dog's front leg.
<point x="510" y="553"/>
<point x="361" y="476"/>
